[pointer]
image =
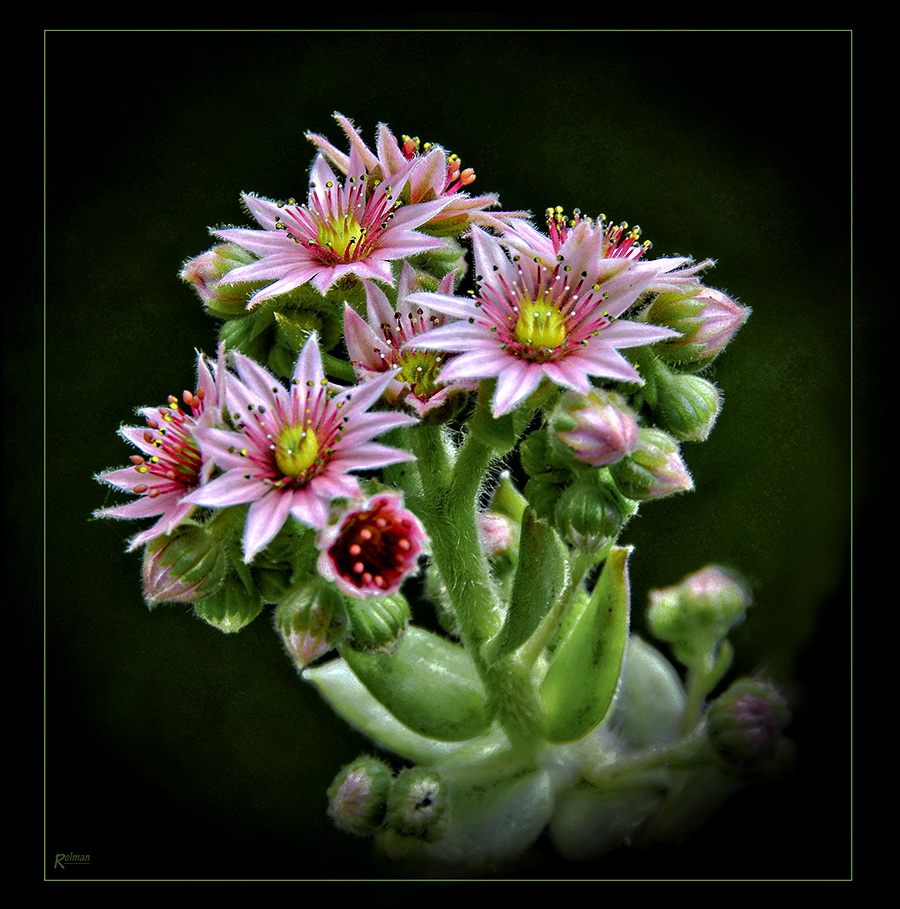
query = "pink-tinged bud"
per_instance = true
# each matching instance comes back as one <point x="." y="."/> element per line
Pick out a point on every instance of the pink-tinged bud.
<point x="182" y="568"/>
<point x="203" y="273"/>
<point x="721" y="318"/>
<point x="653" y="470"/>
<point x="162" y="586"/>
<point x="372" y="549"/>
<point x="311" y="620"/>
<point x="745" y="723"/>
<point x="706" y="322"/>
<point x="700" y="610"/>
<point x="357" y="798"/>
<point x="600" y="428"/>
<point x="497" y="533"/>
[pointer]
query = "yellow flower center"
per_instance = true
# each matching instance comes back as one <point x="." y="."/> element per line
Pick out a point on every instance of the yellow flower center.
<point x="419" y="370"/>
<point x="341" y="235"/>
<point x="296" y="451"/>
<point x="540" y="325"/>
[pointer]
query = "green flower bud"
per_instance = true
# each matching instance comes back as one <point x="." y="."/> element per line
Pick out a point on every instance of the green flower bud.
<point x="358" y="796"/>
<point x="686" y="405"/>
<point x="232" y="607"/>
<point x="542" y="460"/>
<point x="377" y="623"/>
<point x="549" y="470"/>
<point x="655" y="468"/>
<point x="697" y="613"/>
<point x="418" y="805"/>
<point x="311" y="620"/>
<point x="744" y="724"/>
<point x="590" y="515"/>
<point x="293" y="328"/>
<point x="280" y="360"/>
<point x="275" y="336"/>
<point x="443" y="259"/>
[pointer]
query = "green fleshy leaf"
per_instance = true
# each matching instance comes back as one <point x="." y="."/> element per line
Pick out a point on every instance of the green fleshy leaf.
<point x="540" y="576"/>
<point x="495" y="820"/>
<point x="428" y="683"/>
<point x="588" y="823"/>
<point x="580" y="684"/>
<point x="353" y="702"/>
<point x="650" y="701"/>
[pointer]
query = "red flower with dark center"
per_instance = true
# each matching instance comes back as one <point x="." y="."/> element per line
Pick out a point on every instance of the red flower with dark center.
<point x="371" y="550"/>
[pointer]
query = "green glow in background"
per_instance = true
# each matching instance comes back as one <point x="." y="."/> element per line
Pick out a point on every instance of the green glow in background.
<point x="175" y="751"/>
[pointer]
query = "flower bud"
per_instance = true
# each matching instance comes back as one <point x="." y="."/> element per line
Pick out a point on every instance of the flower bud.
<point x="599" y="428"/>
<point x="697" y="613"/>
<point x="497" y="533"/>
<point x="686" y="405"/>
<point x="183" y="567"/>
<point x="203" y="273"/>
<point x="311" y="620"/>
<point x="377" y="624"/>
<point x="357" y="798"/>
<point x="418" y="805"/>
<point x="706" y="322"/>
<point x="233" y="605"/>
<point x="653" y="470"/>
<point x="161" y="585"/>
<point x="745" y="723"/>
<point x="589" y="515"/>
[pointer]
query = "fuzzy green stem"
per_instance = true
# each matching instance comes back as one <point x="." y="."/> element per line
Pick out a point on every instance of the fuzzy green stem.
<point x="689" y="753"/>
<point x="702" y="678"/>
<point x="451" y="490"/>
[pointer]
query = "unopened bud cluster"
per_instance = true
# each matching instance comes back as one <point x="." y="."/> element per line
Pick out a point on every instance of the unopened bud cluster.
<point x="411" y="808"/>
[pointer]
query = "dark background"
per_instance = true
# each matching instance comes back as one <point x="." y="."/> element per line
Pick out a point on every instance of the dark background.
<point x="174" y="751"/>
